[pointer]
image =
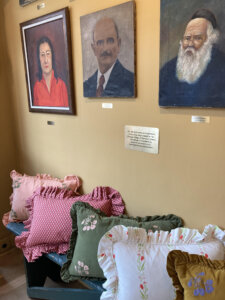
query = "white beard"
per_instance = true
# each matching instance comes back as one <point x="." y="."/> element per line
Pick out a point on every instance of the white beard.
<point x="190" y="67"/>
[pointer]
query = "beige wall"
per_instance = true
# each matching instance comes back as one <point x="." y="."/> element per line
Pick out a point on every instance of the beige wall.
<point x="7" y="135"/>
<point x="186" y="177"/>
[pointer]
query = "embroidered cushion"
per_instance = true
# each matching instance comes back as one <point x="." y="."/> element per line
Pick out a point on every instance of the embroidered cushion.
<point x="195" y="276"/>
<point x="134" y="261"/>
<point x="24" y="186"/>
<point x="50" y="225"/>
<point x="89" y="225"/>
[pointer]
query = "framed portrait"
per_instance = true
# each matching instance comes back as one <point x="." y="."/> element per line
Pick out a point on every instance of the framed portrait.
<point x="25" y="2"/>
<point x="48" y="63"/>
<point x="108" y="52"/>
<point x="192" y="54"/>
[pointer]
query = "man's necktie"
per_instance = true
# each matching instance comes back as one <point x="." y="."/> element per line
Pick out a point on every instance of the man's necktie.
<point x="100" y="86"/>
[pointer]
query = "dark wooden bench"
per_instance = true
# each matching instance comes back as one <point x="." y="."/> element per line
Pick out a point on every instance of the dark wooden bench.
<point x="49" y="265"/>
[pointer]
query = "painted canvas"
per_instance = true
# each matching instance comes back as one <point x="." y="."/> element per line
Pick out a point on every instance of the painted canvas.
<point x="108" y="49"/>
<point x="48" y="63"/>
<point x="192" y="53"/>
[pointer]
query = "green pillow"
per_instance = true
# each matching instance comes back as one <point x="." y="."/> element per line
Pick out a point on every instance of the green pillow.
<point x="195" y="276"/>
<point x="89" y="225"/>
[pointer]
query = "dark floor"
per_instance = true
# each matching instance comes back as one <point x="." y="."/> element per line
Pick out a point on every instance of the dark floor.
<point x="13" y="279"/>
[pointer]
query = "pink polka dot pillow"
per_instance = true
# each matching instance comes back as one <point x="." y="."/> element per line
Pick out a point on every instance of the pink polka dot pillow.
<point x="50" y="225"/>
<point x="106" y="199"/>
<point x="24" y="186"/>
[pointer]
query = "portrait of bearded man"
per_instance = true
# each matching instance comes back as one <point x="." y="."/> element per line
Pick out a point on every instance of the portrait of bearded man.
<point x="196" y="77"/>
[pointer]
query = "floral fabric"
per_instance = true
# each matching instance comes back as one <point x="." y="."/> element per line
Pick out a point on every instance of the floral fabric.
<point x="89" y="225"/>
<point x="50" y="225"/>
<point x="134" y="261"/>
<point x="24" y="186"/>
<point x="195" y="276"/>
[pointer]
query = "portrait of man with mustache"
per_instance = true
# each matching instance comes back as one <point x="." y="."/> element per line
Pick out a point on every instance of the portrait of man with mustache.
<point x="196" y="76"/>
<point x="111" y="79"/>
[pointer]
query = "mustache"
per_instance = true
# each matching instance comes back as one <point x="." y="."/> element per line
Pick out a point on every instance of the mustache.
<point x="105" y="53"/>
<point x="191" y="49"/>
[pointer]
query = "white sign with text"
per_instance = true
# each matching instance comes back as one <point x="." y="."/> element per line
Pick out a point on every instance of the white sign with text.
<point x="142" y="139"/>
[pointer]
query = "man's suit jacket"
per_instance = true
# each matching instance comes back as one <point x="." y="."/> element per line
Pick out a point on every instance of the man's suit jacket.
<point x="120" y="83"/>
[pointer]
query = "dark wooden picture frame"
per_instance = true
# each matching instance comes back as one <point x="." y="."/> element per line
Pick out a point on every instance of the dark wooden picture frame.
<point x="47" y="53"/>
<point x="26" y="2"/>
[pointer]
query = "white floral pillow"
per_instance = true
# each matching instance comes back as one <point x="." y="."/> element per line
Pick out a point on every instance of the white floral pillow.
<point x="134" y="262"/>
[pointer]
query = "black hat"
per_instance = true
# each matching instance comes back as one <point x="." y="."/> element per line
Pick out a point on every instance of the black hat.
<point x="206" y="14"/>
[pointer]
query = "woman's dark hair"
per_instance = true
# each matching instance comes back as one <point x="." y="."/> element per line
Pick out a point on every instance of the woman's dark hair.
<point x="45" y="39"/>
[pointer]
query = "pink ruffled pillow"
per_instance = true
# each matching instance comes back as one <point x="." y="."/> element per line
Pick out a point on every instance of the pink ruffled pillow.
<point x="50" y="225"/>
<point x="106" y="199"/>
<point x="24" y="186"/>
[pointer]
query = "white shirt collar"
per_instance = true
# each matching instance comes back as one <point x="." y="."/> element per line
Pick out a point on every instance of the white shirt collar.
<point x="106" y="75"/>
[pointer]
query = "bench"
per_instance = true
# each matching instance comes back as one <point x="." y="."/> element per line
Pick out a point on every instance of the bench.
<point x="49" y="265"/>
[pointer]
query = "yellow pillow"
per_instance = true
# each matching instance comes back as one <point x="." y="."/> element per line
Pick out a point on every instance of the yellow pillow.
<point x="195" y="276"/>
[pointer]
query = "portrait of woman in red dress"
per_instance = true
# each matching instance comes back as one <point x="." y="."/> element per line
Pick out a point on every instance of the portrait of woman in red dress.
<point x="49" y="89"/>
<point x="48" y="63"/>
